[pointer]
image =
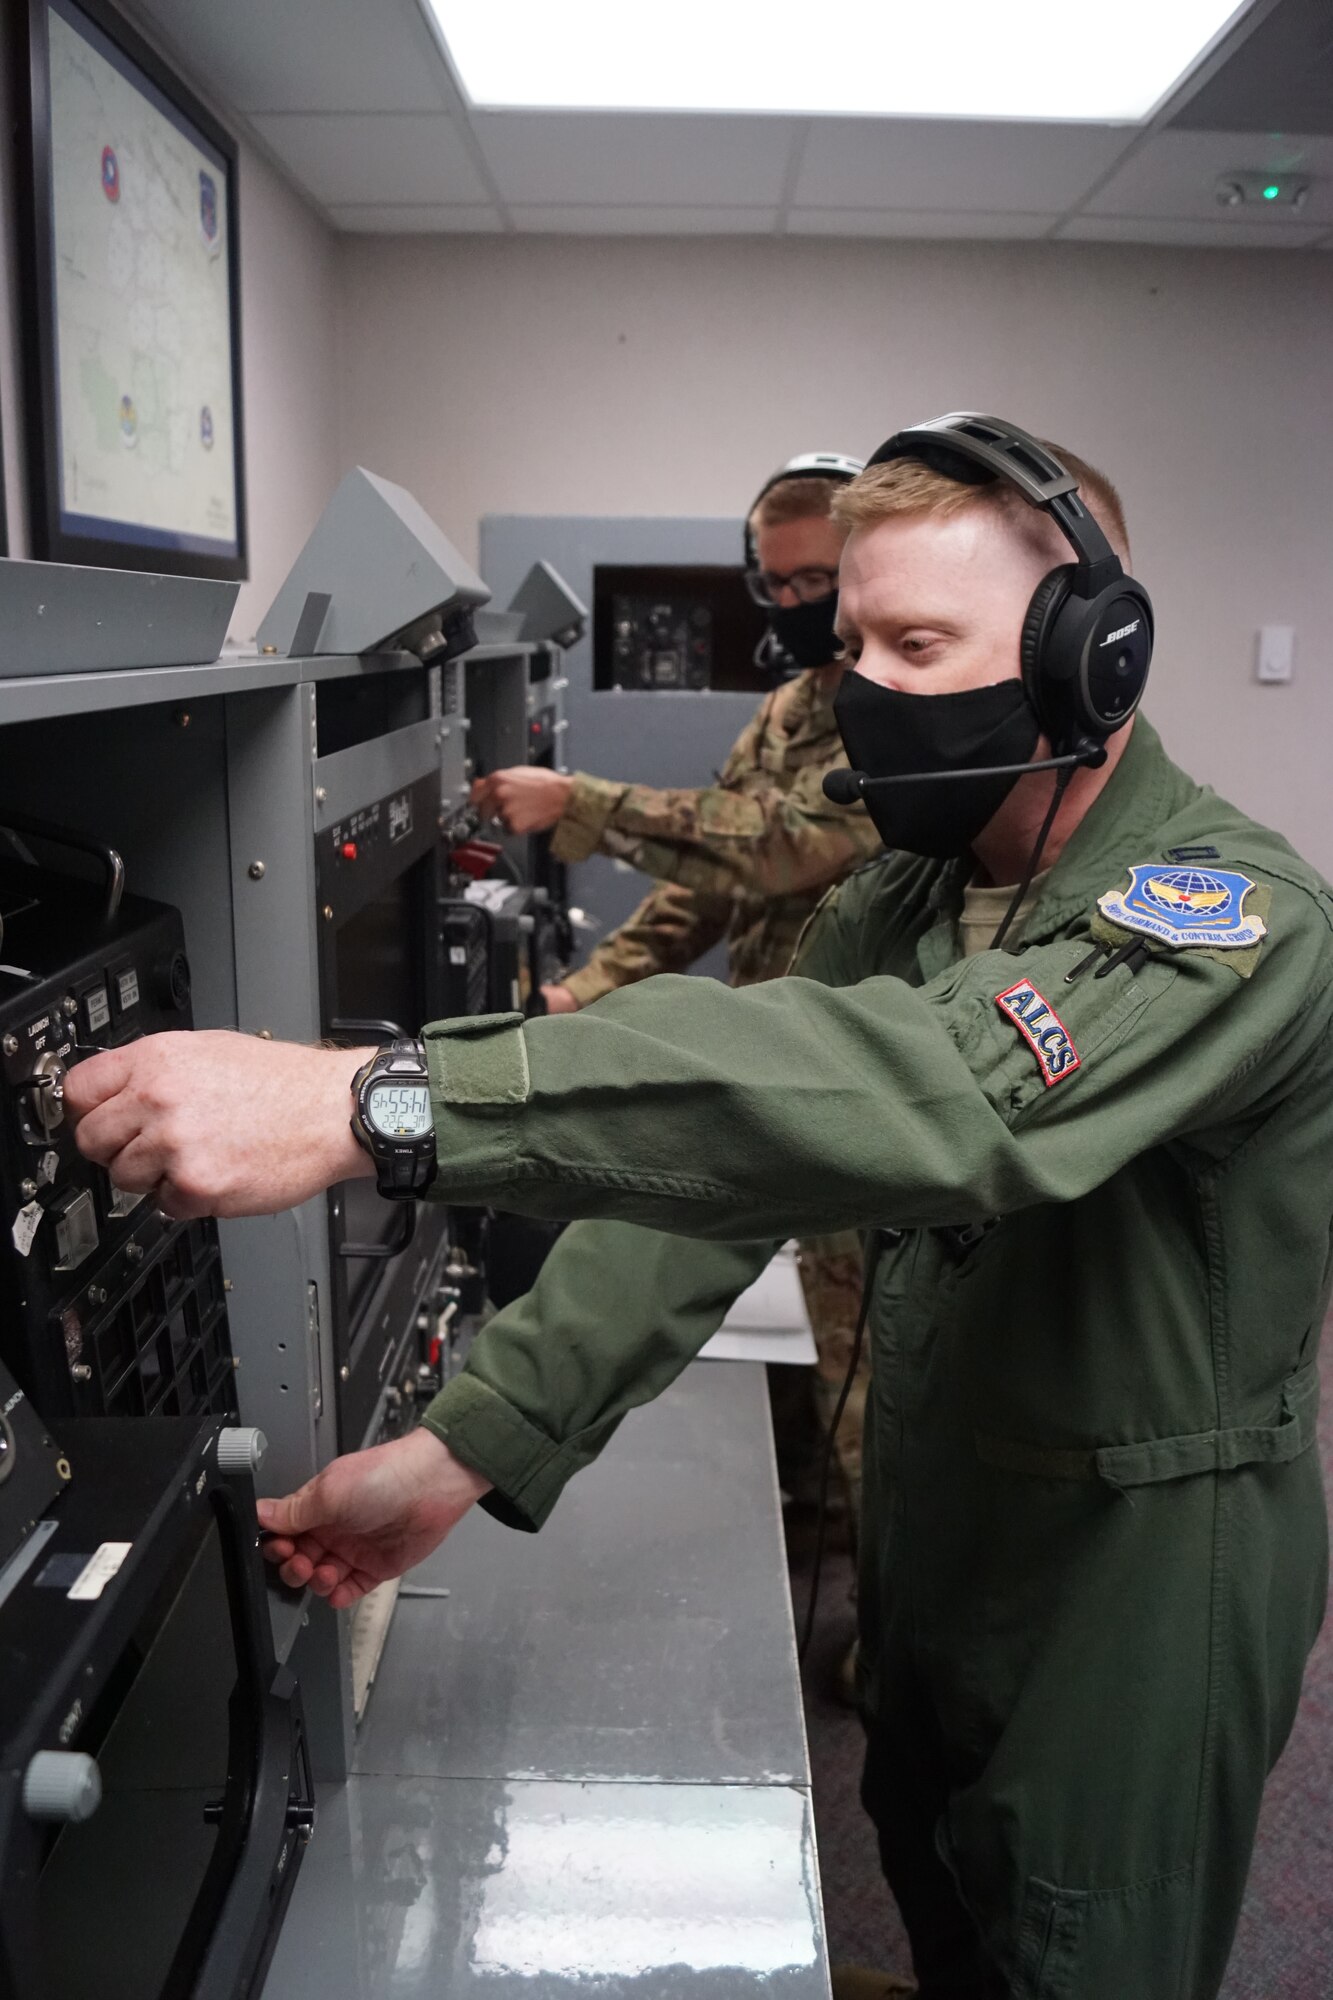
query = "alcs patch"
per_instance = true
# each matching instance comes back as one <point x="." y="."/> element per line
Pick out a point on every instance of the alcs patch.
<point x="1186" y="907"/>
<point x="1042" y="1029"/>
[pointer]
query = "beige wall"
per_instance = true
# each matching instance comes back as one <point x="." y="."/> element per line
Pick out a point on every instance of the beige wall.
<point x="619" y="376"/>
<point x="289" y="292"/>
<point x="564" y="375"/>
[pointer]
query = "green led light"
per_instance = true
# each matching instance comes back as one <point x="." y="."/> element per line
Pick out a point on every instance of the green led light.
<point x="1272" y="191"/>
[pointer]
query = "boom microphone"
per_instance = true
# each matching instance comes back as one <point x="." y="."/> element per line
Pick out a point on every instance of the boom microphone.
<point x="844" y="788"/>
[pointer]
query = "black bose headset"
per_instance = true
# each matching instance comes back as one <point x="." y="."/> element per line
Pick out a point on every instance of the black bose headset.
<point x="1087" y="637"/>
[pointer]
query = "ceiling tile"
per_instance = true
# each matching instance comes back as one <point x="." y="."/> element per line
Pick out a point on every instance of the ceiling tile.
<point x="953" y="164"/>
<point x="338" y="55"/>
<point x="407" y="157"/>
<point x="914" y="222"/>
<point x="1176" y="174"/>
<point x="1213" y="235"/>
<point x="559" y="157"/>
<point x="595" y="220"/>
<point x="1280" y="76"/>
<point x="416" y="219"/>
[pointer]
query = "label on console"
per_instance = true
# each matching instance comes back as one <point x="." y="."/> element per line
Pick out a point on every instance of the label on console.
<point x="98" y="1571"/>
<point x="26" y="1224"/>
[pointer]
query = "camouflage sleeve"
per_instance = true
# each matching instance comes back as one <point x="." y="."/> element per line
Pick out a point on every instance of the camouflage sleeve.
<point x="718" y="841"/>
<point x="670" y="930"/>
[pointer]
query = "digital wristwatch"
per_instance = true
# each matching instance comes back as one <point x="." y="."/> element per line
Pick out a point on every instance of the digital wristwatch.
<point x="392" y="1119"/>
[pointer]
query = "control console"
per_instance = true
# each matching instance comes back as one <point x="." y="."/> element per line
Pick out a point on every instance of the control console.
<point x="109" y="1307"/>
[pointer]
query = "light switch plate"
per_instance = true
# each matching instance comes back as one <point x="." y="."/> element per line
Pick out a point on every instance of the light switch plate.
<point x="1275" y="653"/>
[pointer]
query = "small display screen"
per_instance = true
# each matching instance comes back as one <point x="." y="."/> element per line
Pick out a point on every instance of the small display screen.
<point x="400" y="1110"/>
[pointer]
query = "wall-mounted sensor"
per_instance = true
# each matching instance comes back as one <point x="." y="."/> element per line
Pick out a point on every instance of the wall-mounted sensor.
<point x="1263" y="190"/>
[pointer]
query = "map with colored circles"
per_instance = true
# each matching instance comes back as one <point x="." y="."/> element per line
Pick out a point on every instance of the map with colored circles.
<point x="142" y="304"/>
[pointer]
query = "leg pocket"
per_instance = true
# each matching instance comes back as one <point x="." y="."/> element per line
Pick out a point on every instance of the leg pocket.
<point x="1105" y="1944"/>
<point x="1050" y="1932"/>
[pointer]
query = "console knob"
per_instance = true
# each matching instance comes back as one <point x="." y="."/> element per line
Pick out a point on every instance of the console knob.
<point x="62" y="1785"/>
<point x="45" y="1095"/>
<point x="172" y="980"/>
<point x="241" y="1448"/>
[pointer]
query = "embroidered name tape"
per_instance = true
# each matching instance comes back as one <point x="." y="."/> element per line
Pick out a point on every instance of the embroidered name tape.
<point x="1186" y="906"/>
<point x="1042" y="1029"/>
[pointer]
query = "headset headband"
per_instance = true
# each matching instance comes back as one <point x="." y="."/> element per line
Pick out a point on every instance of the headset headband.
<point x="972" y="448"/>
<point x="807" y="465"/>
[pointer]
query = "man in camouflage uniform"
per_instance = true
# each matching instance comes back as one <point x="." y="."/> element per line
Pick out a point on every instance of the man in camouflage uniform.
<point x="745" y="860"/>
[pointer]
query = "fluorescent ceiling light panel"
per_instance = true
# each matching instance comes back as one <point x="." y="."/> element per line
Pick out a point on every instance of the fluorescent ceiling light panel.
<point x="1037" y="59"/>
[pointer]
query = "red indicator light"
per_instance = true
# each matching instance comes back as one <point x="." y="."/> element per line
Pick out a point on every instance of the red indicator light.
<point x="349" y="850"/>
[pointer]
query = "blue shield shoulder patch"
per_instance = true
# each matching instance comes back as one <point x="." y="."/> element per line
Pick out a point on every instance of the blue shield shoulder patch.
<point x="1042" y="1029"/>
<point x="1182" y="907"/>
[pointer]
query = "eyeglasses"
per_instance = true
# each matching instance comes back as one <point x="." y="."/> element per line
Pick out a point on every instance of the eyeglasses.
<point x="808" y="586"/>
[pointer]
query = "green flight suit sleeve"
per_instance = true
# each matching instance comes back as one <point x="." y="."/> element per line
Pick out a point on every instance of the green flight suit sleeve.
<point x="793" y="1108"/>
<point x="617" y="1312"/>
<point x="671" y="928"/>
<point x="615" y="1315"/>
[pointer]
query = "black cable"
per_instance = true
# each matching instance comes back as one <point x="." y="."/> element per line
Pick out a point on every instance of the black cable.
<point x="826" y="1465"/>
<point x="1057" y="798"/>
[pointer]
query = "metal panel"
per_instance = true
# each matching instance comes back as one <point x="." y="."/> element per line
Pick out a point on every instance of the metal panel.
<point x="273" y="1261"/>
<point x="452" y="711"/>
<point x="486" y="1890"/>
<point x="646" y="739"/>
<point x="270" y="752"/>
<point x="383" y="564"/>
<point x="497" y="706"/>
<point x="27" y="700"/>
<point x="61" y="618"/>
<point x="668" y="1550"/>
<point x="587" y="1764"/>
<point x="366" y="771"/>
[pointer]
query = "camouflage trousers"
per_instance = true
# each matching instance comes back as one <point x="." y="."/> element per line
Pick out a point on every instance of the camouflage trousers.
<point x="831" y="1278"/>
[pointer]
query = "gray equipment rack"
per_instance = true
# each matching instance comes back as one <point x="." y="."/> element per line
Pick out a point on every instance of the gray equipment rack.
<point x="210" y="781"/>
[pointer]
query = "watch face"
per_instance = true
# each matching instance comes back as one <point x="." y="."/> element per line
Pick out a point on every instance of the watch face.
<point x="399" y="1110"/>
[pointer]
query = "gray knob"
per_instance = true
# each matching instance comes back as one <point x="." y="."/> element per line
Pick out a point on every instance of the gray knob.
<point x="62" y="1785"/>
<point x="241" y="1449"/>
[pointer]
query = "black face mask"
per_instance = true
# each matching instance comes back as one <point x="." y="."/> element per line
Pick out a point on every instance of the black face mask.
<point x="889" y="734"/>
<point x="798" y="636"/>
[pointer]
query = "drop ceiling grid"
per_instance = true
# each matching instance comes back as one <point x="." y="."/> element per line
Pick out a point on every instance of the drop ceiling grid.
<point x="365" y="113"/>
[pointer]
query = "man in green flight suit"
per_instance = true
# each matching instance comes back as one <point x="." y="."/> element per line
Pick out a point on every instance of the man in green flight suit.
<point x="746" y="860"/>
<point x="1096" y="1159"/>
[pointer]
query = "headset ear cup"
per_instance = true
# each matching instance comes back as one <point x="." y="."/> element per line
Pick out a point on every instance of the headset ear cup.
<point x="1047" y="600"/>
